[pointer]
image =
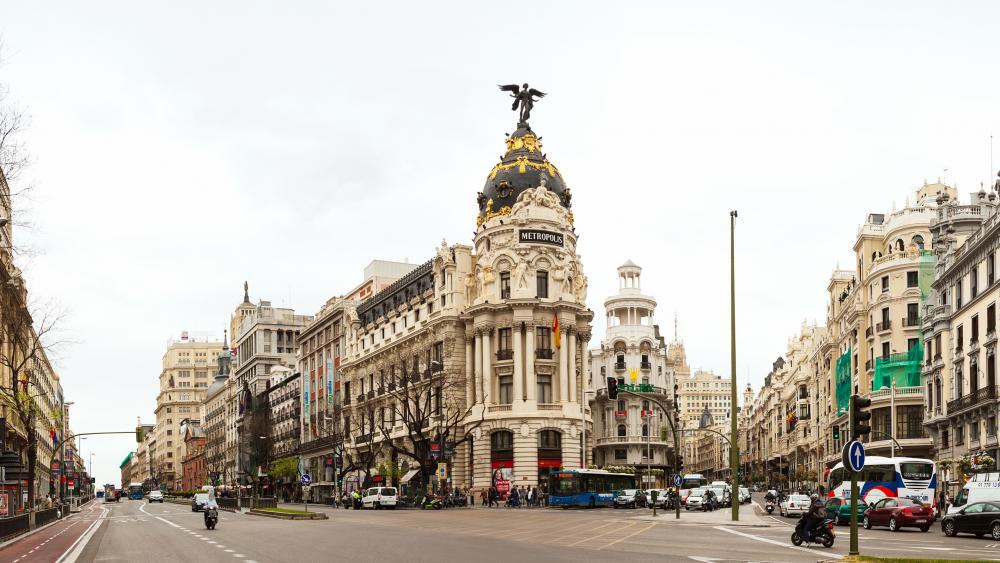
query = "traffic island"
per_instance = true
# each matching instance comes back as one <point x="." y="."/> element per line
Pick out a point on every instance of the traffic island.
<point x="288" y="514"/>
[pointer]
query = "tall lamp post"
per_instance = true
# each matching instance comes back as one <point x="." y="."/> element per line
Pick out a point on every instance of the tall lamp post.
<point x="62" y="455"/>
<point x="734" y="450"/>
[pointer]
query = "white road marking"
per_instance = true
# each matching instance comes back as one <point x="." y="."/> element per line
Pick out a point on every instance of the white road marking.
<point x="74" y="551"/>
<point x="167" y="521"/>
<point x="768" y="540"/>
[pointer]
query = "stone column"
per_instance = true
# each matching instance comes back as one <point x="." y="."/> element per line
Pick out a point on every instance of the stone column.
<point x="518" y="362"/>
<point x="470" y="366"/>
<point x="531" y="383"/>
<point x="563" y="367"/>
<point x="572" y="365"/>
<point x="585" y="362"/>
<point x="488" y="367"/>
<point x="479" y="364"/>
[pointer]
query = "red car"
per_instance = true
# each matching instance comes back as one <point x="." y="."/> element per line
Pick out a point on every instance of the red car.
<point x="899" y="513"/>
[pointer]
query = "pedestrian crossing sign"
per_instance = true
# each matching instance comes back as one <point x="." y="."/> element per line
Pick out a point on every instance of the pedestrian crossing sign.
<point x="442" y="471"/>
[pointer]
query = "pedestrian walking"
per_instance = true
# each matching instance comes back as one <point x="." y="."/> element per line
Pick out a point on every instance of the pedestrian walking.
<point x="482" y="496"/>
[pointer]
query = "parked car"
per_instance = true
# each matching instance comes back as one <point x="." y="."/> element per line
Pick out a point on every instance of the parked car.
<point x="155" y="496"/>
<point x="379" y="497"/>
<point x="198" y="502"/>
<point x="630" y="498"/>
<point x="838" y="510"/>
<point x="977" y="518"/>
<point x="744" y="495"/>
<point x="794" y="504"/>
<point x="899" y="513"/>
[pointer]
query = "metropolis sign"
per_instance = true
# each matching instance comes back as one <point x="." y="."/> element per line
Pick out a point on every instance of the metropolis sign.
<point x="539" y="237"/>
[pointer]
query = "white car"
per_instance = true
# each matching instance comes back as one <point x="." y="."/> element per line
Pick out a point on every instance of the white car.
<point x="794" y="504"/>
<point x="696" y="499"/>
<point x="379" y="497"/>
<point x="744" y="495"/>
<point x="155" y="496"/>
<point x="661" y="497"/>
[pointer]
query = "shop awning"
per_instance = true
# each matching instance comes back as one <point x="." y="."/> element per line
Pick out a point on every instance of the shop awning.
<point x="409" y="475"/>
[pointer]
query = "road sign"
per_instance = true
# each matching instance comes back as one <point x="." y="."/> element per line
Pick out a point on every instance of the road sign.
<point x="853" y="456"/>
<point x="306" y="478"/>
<point x="442" y="471"/>
<point x="678" y="479"/>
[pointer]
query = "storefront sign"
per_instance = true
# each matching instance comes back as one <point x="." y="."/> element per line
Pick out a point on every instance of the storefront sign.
<point x="536" y="236"/>
<point x="4" y="505"/>
<point x="636" y="387"/>
<point x="501" y="478"/>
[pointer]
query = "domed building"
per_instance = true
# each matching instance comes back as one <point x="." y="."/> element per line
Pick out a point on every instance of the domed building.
<point x="477" y="357"/>
<point x="633" y="429"/>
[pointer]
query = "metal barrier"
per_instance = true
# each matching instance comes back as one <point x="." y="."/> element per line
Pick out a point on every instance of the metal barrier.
<point x="43" y="517"/>
<point x="265" y="503"/>
<point x="13" y="526"/>
<point x="226" y="503"/>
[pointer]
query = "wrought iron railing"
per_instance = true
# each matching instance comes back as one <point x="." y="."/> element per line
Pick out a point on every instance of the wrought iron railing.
<point x="973" y="399"/>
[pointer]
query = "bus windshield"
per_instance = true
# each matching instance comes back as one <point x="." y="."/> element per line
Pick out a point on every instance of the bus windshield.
<point x="916" y="471"/>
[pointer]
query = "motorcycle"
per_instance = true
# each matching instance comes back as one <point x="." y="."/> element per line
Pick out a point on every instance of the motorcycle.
<point x="823" y="534"/>
<point x="211" y="518"/>
<point x="769" y="506"/>
<point x="431" y="502"/>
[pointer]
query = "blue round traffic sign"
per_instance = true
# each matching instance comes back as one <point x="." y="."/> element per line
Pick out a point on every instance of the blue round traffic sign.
<point x="306" y="478"/>
<point x="856" y="456"/>
<point x="677" y="479"/>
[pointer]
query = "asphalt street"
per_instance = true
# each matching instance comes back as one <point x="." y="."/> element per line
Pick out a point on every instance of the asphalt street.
<point x="137" y="531"/>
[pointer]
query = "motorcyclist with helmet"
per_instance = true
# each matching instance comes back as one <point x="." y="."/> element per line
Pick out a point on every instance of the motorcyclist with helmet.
<point x="814" y="517"/>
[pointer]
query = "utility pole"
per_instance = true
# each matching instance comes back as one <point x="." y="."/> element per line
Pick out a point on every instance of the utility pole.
<point x="734" y="449"/>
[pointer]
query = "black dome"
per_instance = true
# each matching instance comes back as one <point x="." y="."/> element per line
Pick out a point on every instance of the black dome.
<point x="522" y="167"/>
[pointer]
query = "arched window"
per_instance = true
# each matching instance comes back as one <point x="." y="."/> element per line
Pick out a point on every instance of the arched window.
<point x="917" y="241"/>
<point x="622" y="431"/>
<point x="899" y="244"/>
<point x="549" y="440"/>
<point x="501" y="440"/>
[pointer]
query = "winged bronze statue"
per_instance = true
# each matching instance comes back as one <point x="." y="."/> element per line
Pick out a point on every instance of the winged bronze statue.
<point x="524" y="97"/>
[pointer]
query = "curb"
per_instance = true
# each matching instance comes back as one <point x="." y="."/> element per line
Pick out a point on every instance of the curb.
<point x="16" y="539"/>
<point x="313" y="516"/>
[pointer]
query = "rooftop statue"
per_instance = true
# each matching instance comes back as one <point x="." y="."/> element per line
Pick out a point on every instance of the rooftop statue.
<point x="523" y="97"/>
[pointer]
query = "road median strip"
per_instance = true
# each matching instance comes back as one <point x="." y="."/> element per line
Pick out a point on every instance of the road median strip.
<point x="287" y="514"/>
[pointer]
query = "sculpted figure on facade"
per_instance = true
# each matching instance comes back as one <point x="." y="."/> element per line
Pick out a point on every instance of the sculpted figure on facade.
<point x="479" y="281"/>
<point x="521" y="274"/>
<point x="470" y="287"/>
<point x="444" y="253"/>
<point x="580" y="286"/>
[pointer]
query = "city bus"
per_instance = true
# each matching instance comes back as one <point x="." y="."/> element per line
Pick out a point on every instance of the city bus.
<point x="587" y="487"/>
<point x="135" y="491"/>
<point x="903" y="477"/>
<point x="693" y="481"/>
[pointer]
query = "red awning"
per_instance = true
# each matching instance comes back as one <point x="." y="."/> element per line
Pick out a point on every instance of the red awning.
<point x="550" y="463"/>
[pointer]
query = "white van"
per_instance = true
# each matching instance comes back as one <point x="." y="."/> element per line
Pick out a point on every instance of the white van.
<point x="379" y="497"/>
<point x="980" y="487"/>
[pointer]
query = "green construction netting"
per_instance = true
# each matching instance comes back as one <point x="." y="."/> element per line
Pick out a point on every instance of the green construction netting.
<point x="903" y="369"/>
<point x="843" y="382"/>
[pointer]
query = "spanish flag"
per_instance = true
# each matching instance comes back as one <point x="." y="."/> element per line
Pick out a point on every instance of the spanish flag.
<point x="555" y="330"/>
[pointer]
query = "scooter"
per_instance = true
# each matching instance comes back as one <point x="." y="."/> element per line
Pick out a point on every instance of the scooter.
<point x="211" y="518"/>
<point x="431" y="502"/>
<point x="769" y="506"/>
<point x="823" y="534"/>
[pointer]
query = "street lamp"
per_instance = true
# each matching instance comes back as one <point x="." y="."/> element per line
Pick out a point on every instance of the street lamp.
<point x="583" y="425"/>
<point x="733" y="439"/>
<point x="62" y="454"/>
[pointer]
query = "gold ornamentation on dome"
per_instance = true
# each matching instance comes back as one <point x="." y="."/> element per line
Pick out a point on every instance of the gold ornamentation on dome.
<point x="528" y="142"/>
<point x="569" y="217"/>
<point x="489" y="213"/>
<point x="522" y="164"/>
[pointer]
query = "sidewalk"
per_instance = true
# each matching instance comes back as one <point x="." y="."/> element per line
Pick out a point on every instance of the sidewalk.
<point x="719" y="517"/>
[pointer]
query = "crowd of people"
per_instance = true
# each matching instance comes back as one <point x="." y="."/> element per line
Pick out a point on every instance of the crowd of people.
<point x="518" y="497"/>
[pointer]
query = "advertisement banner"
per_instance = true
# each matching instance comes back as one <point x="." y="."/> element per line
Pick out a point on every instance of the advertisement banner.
<point x="305" y="397"/>
<point x="4" y="505"/>
<point x="329" y="383"/>
<point x="502" y="477"/>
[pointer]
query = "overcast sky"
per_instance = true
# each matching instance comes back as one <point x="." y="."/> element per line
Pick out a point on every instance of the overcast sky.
<point x="182" y="151"/>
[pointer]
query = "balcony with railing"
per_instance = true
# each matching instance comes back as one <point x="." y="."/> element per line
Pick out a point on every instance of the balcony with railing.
<point x="883" y="326"/>
<point x="631" y="438"/>
<point x="619" y="366"/>
<point x="868" y="332"/>
<point x="910" y="322"/>
<point x="543" y="353"/>
<point x="645" y="365"/>
<point x="976" y="398"/>
<point x="885" y="393"/>
<point x="505" y="355"/>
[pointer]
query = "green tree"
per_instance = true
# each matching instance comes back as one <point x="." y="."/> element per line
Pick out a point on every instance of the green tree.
<point x="284" y="468"/>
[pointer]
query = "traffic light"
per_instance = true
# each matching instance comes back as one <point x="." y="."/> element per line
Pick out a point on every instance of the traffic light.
<point x="139" y="435"/>
<point x="680" y="464"/>
<point x="612" y="388"/>
<point x="860" y="417"/>
<point x="836" y="433"/>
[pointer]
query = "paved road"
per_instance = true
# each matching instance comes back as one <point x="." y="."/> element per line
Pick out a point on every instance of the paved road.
<point x="136" y="531"/>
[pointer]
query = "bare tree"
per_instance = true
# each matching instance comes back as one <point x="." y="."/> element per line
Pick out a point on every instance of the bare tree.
<point x="430" y="402"/>
<point x="366" y="432"/>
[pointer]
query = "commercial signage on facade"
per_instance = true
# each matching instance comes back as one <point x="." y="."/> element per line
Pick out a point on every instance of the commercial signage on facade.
<point x="537" y="236"/>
